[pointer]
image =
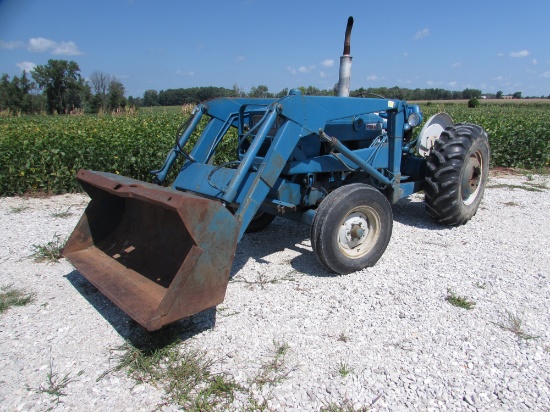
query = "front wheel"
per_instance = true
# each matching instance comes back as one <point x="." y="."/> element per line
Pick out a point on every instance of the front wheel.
<point x="457" y="170"/>
<point x="352" y="228"/>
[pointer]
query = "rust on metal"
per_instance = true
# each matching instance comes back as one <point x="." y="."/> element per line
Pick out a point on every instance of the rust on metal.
<point x="157" y="253"/>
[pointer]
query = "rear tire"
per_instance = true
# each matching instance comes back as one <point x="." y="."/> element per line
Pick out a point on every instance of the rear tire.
<point x="352" y="228"/>
<point x="457" y="171"/>
<point x="260" y="221"/>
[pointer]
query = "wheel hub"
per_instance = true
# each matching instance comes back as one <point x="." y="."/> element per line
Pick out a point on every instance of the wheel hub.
<point x="471" y="178"/>
<point x="353" y="231"/>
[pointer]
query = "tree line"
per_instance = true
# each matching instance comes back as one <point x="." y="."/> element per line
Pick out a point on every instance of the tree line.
<point x="58" y="87"/>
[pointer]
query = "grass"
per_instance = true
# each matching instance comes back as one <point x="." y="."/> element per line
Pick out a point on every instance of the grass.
<point x="56" y="384"/>
<point x="273" y="371"/>
<point x="263" y="279"/>
<point x="530" y="188"/>
<point x="184" y="374"/>
<point x="50" y="252"/>
<point x="62" y="214"/>
<point x="18" y="209"/>
<point x="459" y="301"/>
<point x="9" y="296"/>
<point x="344" y="369"/>
<point x="347" y="406"/>
<point x="513" y="323"/>
<point x="343" y="338"/>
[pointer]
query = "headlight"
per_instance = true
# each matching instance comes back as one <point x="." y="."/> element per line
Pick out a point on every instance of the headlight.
<point x="413" y="119"/>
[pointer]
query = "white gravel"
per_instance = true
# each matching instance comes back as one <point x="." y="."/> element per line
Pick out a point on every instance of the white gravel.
<point x="407" y="348"/>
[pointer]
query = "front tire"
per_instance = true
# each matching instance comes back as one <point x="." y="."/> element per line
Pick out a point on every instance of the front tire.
<point x="352" y="228"/>
<point x="457" y="170"/>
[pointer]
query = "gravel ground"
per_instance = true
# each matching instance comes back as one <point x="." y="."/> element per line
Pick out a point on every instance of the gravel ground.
<point x="404" y="345"/>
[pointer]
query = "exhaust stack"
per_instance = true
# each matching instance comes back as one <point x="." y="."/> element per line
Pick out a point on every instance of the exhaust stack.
<point x="345" y="63"/>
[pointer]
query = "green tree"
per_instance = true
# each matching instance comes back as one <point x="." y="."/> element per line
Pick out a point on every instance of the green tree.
<point x="260" y="91"/>
<point x="61" y="82"/>
<point x="499" y="94"/>
<point x="517" y="95"/>
<point x="150" y="98"/>
<point x="17" y="94"/>
<point x="116" y="95"/>
<point x="99" y="83"/>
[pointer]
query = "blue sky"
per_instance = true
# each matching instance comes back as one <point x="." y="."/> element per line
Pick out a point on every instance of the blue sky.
<point x="162" y="44"/>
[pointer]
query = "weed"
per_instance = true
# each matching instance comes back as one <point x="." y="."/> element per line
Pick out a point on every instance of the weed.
<point x="18" y="209"/>
<point x="50" y="252"/>
<point x="344" y="369"/>
<point x="263" y="280"/>
<point x="273" y="371"/>
<point x="481" y="285"/>
<point x="459" y="301"/>
<point x="183" y="373"/>
<point x="9" y="296"/>
<point x="343" y="337"/>
<point x="531" y="188"/>
<point x="347" y="406"/>
<point x="221" y="311"/>
<point x="56" y="384"/>
<point x="63" y="214"/>
<point x="513" y="323"/>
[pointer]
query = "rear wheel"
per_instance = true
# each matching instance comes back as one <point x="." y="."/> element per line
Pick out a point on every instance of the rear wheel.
<point x="259" y="222"/>
<point x="457" y="171"/>
<point x="352" y="228"/>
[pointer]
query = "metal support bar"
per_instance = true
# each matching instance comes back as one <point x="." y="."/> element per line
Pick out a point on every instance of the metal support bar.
<point x="160" y="175"/>
<point x="334" y="142"/>
<point x="251" y="153"/>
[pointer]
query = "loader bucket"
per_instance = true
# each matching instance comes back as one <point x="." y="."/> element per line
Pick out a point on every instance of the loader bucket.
<point x="157" y="253"/>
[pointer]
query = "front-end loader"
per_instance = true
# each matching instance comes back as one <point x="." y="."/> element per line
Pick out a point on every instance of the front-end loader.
<point x="336" y="163"/>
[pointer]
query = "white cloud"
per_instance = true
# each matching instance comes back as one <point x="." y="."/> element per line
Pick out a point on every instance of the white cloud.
<point x="535" y="61"/>
<point x="239" y="59"/>
<point x="303" y="69"/>
<point x="453" y="83"/>
<point x="545" y="75"/>
<point x="523" y="53"/>
<point x="292" y="70"/>
<point x="26" y="66"/>
<point x="500" y="78"/>
<point x="67" y="48"/>
<point x="41" y="45"/>
<point x="372" y="77"/>
<point x="457" y="64"/>
<point x="433" y="83"/>
<point x="328" y="63"/>
<point x="500" y="54"/>
<point x="322" y="74"/>
<point x="182" y="73"/>
<point x="421" y="34"/>
<point x="406" y="54"/>
<point x="10" y="45"/>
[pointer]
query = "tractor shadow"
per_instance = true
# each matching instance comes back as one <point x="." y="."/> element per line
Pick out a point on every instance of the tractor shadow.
<point x="130" y="330"/>
<point x="284" y="234"/>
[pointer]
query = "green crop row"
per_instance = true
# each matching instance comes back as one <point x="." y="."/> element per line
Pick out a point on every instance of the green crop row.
<point x="519" y="134"/>
<point x="43" y="153"/>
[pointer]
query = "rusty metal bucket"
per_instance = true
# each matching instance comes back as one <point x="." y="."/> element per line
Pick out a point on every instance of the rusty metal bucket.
<point x="157" y="253"/>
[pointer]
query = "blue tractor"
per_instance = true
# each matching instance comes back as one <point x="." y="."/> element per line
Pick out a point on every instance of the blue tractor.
<point x="336" y="163"/>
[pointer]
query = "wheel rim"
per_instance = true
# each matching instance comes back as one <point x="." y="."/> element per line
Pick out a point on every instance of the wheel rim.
<point x="358" y="232"/>
<point x="471" y="179"/>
